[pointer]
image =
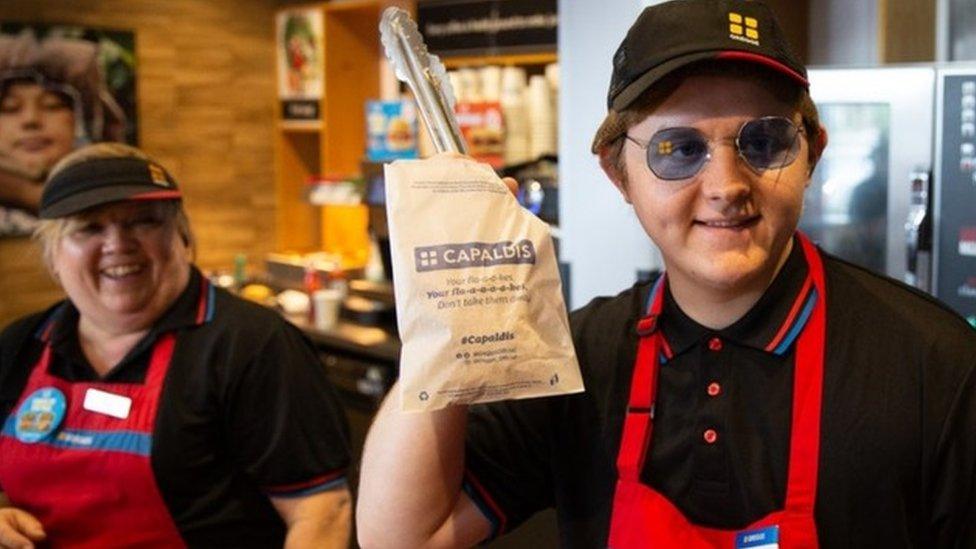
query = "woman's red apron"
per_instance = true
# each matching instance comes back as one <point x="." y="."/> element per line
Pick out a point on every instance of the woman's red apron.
<point x="90" y="482"/>
<point x="643" y="517"/>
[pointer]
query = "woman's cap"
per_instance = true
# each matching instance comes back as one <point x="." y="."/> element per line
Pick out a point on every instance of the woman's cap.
<point x="674" y="34"/>
<point x="100" y="181"/>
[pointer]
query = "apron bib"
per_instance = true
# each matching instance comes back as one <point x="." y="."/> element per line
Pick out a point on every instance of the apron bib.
<point x="86" y="475"/>
<point x="642" y="517"/>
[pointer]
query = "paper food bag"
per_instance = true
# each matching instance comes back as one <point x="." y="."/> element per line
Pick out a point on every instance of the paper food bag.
<point x="478" y="297"/>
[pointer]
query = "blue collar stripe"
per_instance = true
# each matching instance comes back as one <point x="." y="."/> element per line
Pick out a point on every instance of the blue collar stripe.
<point x="653" y="292"/>
<point x="798" y="325"/>
<point x="210" y="303"/>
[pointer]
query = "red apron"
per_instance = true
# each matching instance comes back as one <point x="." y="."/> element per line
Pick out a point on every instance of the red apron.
<point x="643" y="517"/>
<point x="90" y="483"/>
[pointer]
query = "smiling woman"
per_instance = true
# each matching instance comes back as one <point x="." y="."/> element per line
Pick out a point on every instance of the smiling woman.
<point x="151" y="408"/>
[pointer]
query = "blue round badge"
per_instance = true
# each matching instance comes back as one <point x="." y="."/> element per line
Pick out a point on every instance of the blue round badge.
<point x="40" y="415"/>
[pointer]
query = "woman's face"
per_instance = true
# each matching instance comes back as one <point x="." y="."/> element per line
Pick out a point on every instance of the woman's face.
<point x="37" y="126"/>
<point x="122" y="264"/>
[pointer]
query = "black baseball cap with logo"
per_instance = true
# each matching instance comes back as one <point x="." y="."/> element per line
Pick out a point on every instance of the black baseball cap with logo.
<point x="674" y="34"/>
<point x="100" y="181"/>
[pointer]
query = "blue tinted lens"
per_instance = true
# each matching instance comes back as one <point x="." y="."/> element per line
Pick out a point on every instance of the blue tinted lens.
<point x="769" y="143"/>
<point x="677" y="153"/>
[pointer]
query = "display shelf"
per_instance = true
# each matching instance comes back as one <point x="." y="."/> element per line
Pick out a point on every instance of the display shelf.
<point x="352" y="63"/>
<point x="300" y="125"/>
<point x="508" y="59"/>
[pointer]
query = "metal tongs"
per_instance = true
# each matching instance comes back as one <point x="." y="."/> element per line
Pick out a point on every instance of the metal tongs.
<point x="425" y="75"/>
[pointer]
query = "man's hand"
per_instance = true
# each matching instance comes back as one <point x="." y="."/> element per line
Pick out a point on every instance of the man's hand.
<point x="19" y="529"/>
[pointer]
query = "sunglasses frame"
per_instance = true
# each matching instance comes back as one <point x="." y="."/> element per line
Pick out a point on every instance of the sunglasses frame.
<point x="709" y="143"/>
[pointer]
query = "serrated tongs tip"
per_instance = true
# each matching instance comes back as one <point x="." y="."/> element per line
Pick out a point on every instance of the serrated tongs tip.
<point x="426" y="76"/>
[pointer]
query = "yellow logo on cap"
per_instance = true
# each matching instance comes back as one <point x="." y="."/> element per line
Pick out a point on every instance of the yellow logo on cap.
<point x="158" y="175"/>
<point x="743" y="29"/>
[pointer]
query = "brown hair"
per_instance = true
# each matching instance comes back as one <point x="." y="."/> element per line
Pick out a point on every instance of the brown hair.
<point x="49" y="232"/>
<point x="609" y="136"/>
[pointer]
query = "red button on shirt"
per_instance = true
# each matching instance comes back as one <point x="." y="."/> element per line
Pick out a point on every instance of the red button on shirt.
<point x="715" y="344"/>
<point x="714" y="389"/>
<point x="710" y="436"/>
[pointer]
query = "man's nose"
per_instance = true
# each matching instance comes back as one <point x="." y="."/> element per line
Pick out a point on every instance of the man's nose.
<point x="725" y="178"/>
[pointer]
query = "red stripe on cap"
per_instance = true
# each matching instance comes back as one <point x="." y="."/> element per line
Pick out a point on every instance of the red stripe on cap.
<point x="763" y="60"/>
<point x="158" y="195"/>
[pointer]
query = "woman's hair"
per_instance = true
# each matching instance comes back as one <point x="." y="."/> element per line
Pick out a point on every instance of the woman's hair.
<point x="49" y="232"/>
<point x="609" y="136"/>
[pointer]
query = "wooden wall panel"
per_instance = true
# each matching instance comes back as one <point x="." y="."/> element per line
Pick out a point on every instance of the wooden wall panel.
<point x="206" y="111"/>
<point x="906" y="31"/>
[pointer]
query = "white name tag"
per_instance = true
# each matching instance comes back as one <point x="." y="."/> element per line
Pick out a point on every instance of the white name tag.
<point x="102" y="402"/>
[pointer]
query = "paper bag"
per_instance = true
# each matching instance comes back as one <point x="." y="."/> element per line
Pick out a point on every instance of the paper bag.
<point x="478" y="296"/>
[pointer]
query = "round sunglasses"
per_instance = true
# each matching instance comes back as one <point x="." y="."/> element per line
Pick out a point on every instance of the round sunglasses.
<point x="768" y="143"/>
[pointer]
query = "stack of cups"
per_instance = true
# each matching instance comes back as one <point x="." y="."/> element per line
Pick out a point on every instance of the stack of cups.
<point x="542" y="118"/>
<point x="491" y="83"/>
<point x="552" y="76"/>
<point x="517" y="145"/>
<point x="470" y="84"/>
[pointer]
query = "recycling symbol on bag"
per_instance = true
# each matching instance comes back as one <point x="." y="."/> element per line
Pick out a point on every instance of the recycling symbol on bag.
<point x="424" y="395"/>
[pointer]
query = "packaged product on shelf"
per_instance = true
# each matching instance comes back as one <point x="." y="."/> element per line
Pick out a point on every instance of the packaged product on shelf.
<point x="391" y="128"/>
<point x="478" y="295"/>
<point x="482" y="125"/>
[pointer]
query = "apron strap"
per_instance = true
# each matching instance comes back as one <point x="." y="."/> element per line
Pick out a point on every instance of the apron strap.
<point x="801" y="491"/>
<point x="638" y="421"/>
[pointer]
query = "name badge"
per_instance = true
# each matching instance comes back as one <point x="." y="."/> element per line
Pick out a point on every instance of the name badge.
<point x="102" y="402"/>
<point x="40" y="415"/>
<point x="762" y="538"/>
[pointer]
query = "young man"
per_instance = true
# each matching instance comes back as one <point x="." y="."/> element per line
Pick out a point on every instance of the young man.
<point x="761" y="392"/>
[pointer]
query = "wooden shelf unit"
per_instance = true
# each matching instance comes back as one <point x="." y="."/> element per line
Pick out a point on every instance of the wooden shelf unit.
<point x="351" y="64"/>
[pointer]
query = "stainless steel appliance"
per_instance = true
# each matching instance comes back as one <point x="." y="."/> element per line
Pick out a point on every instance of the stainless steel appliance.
<point x="880" y="128"/>
<point x="954" y="247"/>
<point x="896" y="189"/>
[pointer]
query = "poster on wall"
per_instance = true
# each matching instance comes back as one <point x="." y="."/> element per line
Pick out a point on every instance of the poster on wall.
<point x="300" y="63"/>
<point x="61" y="87"/>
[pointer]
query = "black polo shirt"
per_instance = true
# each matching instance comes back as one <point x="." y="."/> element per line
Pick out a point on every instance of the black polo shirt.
<point x="898" y="427"/>
<point x="246" y="411"/>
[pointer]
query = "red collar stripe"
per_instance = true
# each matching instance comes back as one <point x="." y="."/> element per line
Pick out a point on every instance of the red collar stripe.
<point x="483" y="500"/>
<point x="205" y="305"/>
<point x="794" y="311"/>
<point x="313" y="486"/>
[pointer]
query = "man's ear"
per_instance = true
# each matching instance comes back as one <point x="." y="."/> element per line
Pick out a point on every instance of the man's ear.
<point x="614" y="174"/>
<point x="818" y="144"/>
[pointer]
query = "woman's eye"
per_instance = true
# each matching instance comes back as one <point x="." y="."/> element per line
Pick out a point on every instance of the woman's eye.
<point x="88" y="229"/>
<point x="148" y="221"/>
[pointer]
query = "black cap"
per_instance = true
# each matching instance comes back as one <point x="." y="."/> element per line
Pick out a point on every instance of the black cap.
<point x="102" y="180"/>
<point x="671" y="35"/>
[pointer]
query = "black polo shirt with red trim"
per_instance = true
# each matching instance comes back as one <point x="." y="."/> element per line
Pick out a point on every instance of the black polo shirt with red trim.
<point x="246" y="411"/>
<point x="898" y="428"/>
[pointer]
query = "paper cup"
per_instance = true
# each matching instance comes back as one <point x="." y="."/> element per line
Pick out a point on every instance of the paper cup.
<point x="327" y="303"/>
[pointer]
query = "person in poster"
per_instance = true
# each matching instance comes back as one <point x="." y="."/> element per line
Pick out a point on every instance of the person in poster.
<point x="53" y="98"/>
